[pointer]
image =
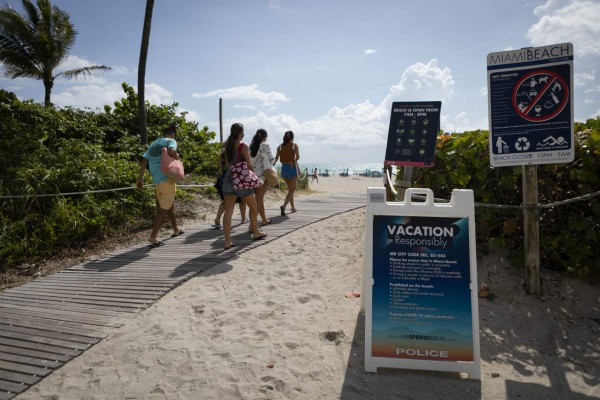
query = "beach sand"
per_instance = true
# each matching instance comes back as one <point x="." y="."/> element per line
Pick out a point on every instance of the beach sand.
<point x="275" y="323"/>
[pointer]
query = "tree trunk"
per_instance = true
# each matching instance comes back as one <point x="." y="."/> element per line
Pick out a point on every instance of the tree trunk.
<point x="47" y="90"/>
<point x="142" y="72"/>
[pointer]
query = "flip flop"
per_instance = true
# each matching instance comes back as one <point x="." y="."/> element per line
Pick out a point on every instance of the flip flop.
<point x="294" y="210"/>
<point x="266" y="223"/>
<point x="217" y="226"/>
<point x="230" y="246"/>
<point x="181" y="232"/>
<point x="282" y="211"/>
<point x="155" y="245"/>
<point x="262" y="236"/>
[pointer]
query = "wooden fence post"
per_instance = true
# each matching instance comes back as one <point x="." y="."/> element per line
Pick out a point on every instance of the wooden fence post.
<point x="405" y="183"/>
<point x="531" y="224"/>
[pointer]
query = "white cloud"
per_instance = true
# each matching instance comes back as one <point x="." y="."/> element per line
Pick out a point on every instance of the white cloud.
<point x="369" y="52"/>
<point x="584" y="78"/>
<point x="248" y="93"/>
<point x="360" y="127"/>
<point x="97" y="94"/>
<point x="574" y="21"/>
<point x="90" y="95"/>
<point x="244" y="106"/>
<point x="191" y="115"/>
<point x="422" y="82"/>
<point x="156" y="94"/>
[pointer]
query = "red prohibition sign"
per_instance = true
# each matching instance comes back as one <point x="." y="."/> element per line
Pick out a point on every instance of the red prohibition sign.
<point x="540" y="96"/>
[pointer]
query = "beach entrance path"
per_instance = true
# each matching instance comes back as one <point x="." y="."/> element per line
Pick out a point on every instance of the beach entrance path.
<point x="48" y="322"/>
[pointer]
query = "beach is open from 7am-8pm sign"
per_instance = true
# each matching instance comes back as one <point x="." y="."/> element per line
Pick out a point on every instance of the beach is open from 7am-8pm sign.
<point x="420" y="274"/>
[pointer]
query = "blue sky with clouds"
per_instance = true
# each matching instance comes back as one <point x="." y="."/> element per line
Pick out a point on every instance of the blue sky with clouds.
<point x="326" y="69"/>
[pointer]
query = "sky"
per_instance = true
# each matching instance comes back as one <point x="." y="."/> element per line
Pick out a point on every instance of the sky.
<point x="328" y="70"/>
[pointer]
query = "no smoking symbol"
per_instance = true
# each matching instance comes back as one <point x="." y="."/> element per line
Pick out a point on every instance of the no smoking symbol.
<point x="540" y="96"/>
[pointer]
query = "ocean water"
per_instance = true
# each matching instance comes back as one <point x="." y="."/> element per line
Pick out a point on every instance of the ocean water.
<point x="336" y="169"/>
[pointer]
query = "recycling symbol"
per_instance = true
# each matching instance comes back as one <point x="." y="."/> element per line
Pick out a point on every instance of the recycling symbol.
<point x="522" y="144"/>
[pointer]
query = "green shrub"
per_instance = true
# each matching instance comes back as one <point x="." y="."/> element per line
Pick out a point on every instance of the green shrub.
<point x="568" y="233"/>
<point x="51" y="151"/>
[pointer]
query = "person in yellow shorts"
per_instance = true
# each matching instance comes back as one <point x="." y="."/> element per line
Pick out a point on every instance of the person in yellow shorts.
<point x="163" y="186"/>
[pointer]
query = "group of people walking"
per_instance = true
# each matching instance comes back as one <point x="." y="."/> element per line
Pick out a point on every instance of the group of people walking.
<point x="258" y="157"/>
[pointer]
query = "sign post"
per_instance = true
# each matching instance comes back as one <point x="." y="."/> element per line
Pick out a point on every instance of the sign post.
<point x="420" y="283"/>
<point x="531" y="122"/>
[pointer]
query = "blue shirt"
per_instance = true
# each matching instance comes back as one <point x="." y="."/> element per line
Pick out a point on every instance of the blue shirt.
<point x="153" y="156"/>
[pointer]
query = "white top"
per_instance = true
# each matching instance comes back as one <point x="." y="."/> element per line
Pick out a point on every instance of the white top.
<point x="258" y="163"/>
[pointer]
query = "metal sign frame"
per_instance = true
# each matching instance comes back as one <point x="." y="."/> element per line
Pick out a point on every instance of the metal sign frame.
<point x="421" y="305"/>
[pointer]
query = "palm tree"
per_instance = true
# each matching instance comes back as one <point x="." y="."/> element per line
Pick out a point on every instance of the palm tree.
<point x="142" y="72"/>
<point x="34" y="44"/>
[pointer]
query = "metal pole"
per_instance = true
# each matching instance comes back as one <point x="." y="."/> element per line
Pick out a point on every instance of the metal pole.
<point x="405" y="183"/>
<point x="221" y="119"/>
<point x="531" y="223"/>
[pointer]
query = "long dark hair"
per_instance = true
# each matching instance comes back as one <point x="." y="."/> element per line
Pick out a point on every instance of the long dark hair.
<point x="288" y="137"/>
<point x="256" y="141"/>
<point x="237" y="129"/>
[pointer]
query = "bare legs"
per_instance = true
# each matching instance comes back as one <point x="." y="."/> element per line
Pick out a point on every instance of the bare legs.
<point x="260" y="202"/>
<point x="158" y="221"/>
<point x="221" y="210"/>
<point x="289" y="199"/>
<point x="249" y="201"/>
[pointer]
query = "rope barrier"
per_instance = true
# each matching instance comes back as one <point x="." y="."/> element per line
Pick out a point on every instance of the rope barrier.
<point x="522" y="207"/>
<point x="93" y="192"/>
<point x="483" y="205"/>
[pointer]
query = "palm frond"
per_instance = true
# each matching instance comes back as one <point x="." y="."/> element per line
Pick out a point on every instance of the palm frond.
<point x="84" y="72"/>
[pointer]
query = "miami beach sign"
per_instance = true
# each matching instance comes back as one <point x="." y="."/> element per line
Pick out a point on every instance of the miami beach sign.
<point x="530" y="94"/>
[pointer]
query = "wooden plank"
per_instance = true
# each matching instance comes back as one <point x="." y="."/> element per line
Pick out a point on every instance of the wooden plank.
<point x="47" y="348"/>
<point x="68" y="315"/>
<point x="43" y="355"/>
<point x="61" y="317"/>
<point x="109" y="293"/>
<point x="11" y="387"/>
<point x="38" y="362"/>
<point x="6" y="396"/>
<point x="54" y="325"/>
<point x="139" y="291"/>
<point x="66" y="297"/>
<point x="24" y="369"/>
<point x="88" y="284"/>
<point x="50" y="334"/>
<point x="72" y="306"/>
<point x="17" y="377"/>
<point x="87" y="277"/>
<point x="67" y="344"/>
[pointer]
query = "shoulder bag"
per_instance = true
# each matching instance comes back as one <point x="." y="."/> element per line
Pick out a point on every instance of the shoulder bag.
<point x="241" y="176"/>
<point x="171" y="167"/>
<point x="271" y="176"/>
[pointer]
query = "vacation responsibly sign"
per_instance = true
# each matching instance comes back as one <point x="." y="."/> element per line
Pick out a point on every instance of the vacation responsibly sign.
<point x="413" y="133"/>
<point x="531" y="105"/>
<point x="421" y="304"/>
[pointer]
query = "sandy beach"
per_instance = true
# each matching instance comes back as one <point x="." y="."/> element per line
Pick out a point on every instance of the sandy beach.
<point x="274" y="323"/>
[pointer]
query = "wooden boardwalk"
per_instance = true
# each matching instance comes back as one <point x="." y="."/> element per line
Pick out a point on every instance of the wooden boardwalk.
<point x="48" y="322"/>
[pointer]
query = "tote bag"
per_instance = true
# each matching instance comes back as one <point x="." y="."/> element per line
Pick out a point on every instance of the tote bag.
<point x="241" y="176"/>
<point x="269" y="171"/>
<point x="171" y="167"/>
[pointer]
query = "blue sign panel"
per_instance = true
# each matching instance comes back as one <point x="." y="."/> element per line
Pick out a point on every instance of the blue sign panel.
<point x="421" y="291"/>
<point x="531" y="106"/>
